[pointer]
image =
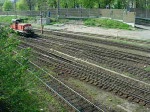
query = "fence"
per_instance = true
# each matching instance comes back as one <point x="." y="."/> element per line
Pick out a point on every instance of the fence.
<point x="118" y="14"/>
<point x="142" y="16"/>
<point x="142" y="13"/>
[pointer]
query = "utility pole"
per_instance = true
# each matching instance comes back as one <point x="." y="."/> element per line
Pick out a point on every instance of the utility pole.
<point x="58" y="7"/>
<point x="15" y="8"/>
<point x="29" y="4"/>
<point x="74" y="4"/>
<point x="41" y="23"/>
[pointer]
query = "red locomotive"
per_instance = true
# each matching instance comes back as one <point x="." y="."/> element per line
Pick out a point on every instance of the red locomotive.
<point x="24" y="29"/>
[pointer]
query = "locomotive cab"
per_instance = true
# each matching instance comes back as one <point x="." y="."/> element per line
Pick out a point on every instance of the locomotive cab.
<point x="14" y="24"/>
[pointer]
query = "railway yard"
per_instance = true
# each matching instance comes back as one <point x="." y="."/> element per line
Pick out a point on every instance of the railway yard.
<point x="74" y="56"/>
<point x="93" y="73"/>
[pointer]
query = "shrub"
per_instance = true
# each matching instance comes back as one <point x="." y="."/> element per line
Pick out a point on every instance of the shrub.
<point x="14" y="92"/>
<point x="107" y="23"/>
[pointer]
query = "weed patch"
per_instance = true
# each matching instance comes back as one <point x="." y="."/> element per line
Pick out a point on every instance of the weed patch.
<point x="107" y="23"/>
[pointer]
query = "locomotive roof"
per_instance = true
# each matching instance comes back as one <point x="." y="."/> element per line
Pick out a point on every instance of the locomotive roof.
<point x="14" y="20"/>
<point x="18" y="20"/>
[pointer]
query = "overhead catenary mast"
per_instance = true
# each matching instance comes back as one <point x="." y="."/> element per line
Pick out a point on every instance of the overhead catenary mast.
<point x="58" y="7"/>
<point x="15" y="8"/>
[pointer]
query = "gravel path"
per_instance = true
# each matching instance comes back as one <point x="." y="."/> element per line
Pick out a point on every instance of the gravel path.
<point x="138" y="34"/>
<point x="142" y="34"/>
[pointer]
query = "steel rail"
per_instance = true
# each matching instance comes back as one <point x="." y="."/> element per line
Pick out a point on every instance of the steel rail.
<point x="63" y="85"/>
<point x="131" y="86"/>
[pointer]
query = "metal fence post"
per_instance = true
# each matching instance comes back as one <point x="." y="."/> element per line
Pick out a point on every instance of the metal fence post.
<point x="123" y="15"/>
<point x="81" y="12"/>
<point x="89" y="12"/>
<point x="146" y="13"/>
<point x="111" y="13"/>
<point x="67" y="13"/>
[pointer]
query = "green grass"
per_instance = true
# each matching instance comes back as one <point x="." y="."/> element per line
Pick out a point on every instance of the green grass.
<point x="47" y="101"/>
<point x="147" y="68"/>
<point x="106" y="98"/>
<point x="107" y="23"/>
<point x="8" y="19"/>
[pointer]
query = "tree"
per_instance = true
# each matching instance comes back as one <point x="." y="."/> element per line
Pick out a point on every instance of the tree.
<point x="7" y="6"/>
<point x="22" y="5"/>
<point x="41" y="4"/>
<point x="118" y="4"/>
<point x="98" y="3"/>
<point x="143" y="4"/>
<point x="31" y="4"/>
<point x="53" y="3"/>
<point x="85" y="3"/>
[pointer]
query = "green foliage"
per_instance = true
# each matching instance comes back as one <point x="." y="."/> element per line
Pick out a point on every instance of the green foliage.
<point x="7" y="6"/>
<point x="20" y="91"/>
<point x="44" y="4"/>
<point x="88" y="3"/>
<point x="53" y="3"/>
<point x="147" y="68"/>
<point x="31" y="4"/>
<point x="22" y="5"/>
<point x="41" y="4"/>
<point x="14" y="91"/>
<point x="117" y="4"/>
<point x="107" y="23"/>
<point x="6" y="19"/>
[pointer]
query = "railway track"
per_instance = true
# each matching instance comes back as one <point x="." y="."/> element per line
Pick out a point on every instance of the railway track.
<point x="97" y="40"/>
<point x="123" y="62"/>
<point x="99" y="50"/>
<point x="106" y="52"/>
<point x="99" y="77"/>
<point x="97" y="35"/>
<point x="74" y="100"/>
<point x="89" y="35"/>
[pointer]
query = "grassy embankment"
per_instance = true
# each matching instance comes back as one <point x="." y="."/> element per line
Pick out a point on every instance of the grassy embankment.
<point x="20" y="91"/>
<point x="8" y="19"/>
<point x="107" y="23"/>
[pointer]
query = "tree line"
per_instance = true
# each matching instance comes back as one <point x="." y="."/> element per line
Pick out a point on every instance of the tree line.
<point x="45" y="4"/>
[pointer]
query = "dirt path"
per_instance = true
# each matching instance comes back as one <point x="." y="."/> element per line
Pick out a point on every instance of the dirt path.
<point x="140" y="34"/>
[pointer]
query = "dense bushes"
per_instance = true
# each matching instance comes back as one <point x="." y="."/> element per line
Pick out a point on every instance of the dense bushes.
<point x="14" y="92"/>
<point x="20" y="91"/>
<point x="107" y="23"/>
